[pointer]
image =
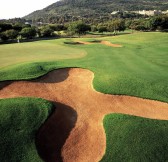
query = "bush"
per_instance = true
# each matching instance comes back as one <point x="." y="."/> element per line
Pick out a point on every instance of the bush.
<point x="102" y="29"/>
<point x="11" y="34"/>
<point x="79" y="28"/>
<point x="93" y="28"/>
<point x="4" y="27"/>
<point x="28" y="32"/>
<point x="46" y="31"/>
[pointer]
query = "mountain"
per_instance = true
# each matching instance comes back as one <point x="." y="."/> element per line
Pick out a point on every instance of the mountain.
<point x="65" y="9"/>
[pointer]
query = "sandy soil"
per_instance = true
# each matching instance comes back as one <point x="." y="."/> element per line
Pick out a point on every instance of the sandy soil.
<point x="75" y="133"/>
<point x="107" y="43"/>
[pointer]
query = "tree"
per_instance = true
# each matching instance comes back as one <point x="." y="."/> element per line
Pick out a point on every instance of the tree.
<point x="116" y="25"/>
<point x="9" y="34"/>
<point x="57" y="27"/>
<point x="93" y="28"/>
<point x="134" y="24"/>
<point x="102" y="28"/>
<point x="18" y="27"/>
<point x="79" y="28"/>
<point x="4" y="27"/>
<point x="3" y="36"/>
<point x="46" y="31"/>
<point x="28" y="32"/>
<point x="159" y="23"/>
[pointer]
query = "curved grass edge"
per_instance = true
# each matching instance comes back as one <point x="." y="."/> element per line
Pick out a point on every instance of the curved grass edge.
<point x="147" y="81"/>
<point x="132" y="138"/>
<point x="35" y="70"/>
<point x="20" y="120"/>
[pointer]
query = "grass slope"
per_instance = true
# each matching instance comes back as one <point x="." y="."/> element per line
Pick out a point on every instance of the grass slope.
<point x="131" y="138"/>
<point x="139" y="68"/>
<point x="12" y="54"/>
<point x="20" y="119"/>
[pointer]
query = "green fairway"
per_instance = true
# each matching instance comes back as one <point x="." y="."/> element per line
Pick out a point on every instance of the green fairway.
<point x="131" y="138"/>
<point x="139" y="68"/>
<point x="20" y="120"/>
<point x="12" y="54"/>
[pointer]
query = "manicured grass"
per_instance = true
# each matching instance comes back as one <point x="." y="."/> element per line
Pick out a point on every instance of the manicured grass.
<point x="20" y="120"/>
<point x="12" y="54"/>
<point x="139" y="68"/>
<point x="131" y="138"/>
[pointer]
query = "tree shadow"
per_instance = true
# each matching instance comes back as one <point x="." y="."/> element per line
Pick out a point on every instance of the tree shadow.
<point x="54" y="76"/>
<point x="29" y="40"/>
<point x="4" y="84"/>
<point x="109" y="34"/>
<point x="73" y="43"/>
<point x="53" y="134"/>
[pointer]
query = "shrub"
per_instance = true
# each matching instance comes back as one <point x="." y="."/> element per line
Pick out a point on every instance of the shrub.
<point x="28" y="32"/>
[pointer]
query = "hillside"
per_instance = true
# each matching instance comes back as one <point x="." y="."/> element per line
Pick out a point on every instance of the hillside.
<point x="65" y="9"/>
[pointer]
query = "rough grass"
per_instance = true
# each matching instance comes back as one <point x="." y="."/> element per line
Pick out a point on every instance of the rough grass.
<point x="131" y="138"/>
<point x="20" y="120"/>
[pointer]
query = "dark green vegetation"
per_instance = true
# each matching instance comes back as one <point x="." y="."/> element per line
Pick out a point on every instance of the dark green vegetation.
<point x="63" y="10"/>
<point x="78" y="28"/>
<point x="19" y="32"/>
<point x="20" y="120"/>
<point x="131" y="138"/>
<point x="139" y="68"/>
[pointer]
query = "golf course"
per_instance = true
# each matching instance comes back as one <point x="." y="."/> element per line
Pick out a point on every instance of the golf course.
<point x="85" y="99"/>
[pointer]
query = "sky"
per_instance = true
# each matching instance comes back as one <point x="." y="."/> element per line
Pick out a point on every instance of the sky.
<point x="20" y="8"/>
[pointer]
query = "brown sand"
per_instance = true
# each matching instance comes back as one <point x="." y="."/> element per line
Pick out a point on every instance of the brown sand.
<point x="107" y="43"/>
<point x="76" y="131"/>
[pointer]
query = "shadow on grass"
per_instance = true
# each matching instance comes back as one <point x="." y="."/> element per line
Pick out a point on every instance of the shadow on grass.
<point x="95" y="41"/>
<point x="73" y="43"/>
<point x="54" y="76"/>
<point x="110" y="34"/>
<point x="29" y="40"/>
<point x="53" y="134"/>
<point x="4" y="84"/>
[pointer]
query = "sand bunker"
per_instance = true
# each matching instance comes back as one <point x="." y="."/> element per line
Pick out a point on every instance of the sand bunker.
<point x="75" y="130"/>
<point x="107" y="43"/>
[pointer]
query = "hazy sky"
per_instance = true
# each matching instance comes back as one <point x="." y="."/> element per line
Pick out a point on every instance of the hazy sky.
<point x="20" y="8"/>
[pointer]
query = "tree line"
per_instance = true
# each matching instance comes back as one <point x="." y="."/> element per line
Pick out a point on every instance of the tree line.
<point x="26" y="31"/>
<point x="23" y="31"/>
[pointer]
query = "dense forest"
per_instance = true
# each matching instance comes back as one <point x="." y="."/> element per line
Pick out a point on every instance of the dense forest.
<point x="73" y="10"/>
